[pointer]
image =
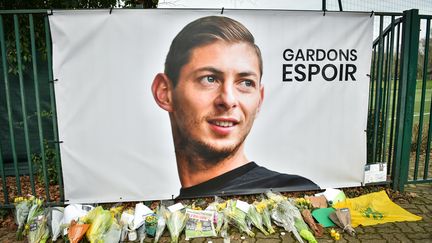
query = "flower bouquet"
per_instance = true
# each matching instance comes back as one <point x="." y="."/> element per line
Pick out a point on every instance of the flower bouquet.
<point x="100" y="221"/>
<point x="256" y="218"/>
<point x="236" y="217"/>
<point x="161" y="222"/>
<point x="175" y="222"/>
<point x="76" y="231"/>
<point x="22" y="208"/>
<point x="262" y="208"/>
<point x="283" y="213"/>
<point x="150" y="225"/>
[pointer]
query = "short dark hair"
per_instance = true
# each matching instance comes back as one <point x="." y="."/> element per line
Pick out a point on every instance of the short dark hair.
<point x="201" y="32"/>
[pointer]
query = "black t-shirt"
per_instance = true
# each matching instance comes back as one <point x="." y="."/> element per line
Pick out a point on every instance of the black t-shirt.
<point x="248" y="179"/>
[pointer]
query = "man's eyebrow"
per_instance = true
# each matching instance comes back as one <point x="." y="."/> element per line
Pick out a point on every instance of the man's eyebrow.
<point x="219" y="72"/>
<point x="248" y="74"/>
<point x="209" y="69"/>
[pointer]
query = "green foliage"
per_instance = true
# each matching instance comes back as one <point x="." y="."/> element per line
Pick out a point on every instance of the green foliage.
<point x="23" y="27"/>
<point x="50" y="162"/>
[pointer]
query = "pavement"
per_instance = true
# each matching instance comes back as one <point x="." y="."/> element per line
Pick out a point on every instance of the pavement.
<point x="406" y="232"/>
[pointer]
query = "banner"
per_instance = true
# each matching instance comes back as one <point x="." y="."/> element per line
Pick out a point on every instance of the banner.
<point x="119" y="111"/>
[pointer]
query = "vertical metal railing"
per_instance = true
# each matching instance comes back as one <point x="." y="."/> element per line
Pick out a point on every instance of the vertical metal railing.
<point x="29" y="151"/>
<point x="398" y="99"/>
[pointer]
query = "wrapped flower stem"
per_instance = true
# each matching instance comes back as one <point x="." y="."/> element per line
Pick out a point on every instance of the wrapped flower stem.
<point x="175" y="221"/>
<point x="100" y="221"/>
<point x="39" y="232"/>
<point x="35" y="211"/>
<point x="262" y="207"/>
<point x="255" y="217"/>
<point x="317" y="229"/>
<point x="77" y="231"/>
<point x="283" y="213"/>
<point x="217" y="206"/>
<point x="304" y="231"/>
<point x="237" y="218"/>
<point x="161" y="222"/>
<point x="22" y="208"/>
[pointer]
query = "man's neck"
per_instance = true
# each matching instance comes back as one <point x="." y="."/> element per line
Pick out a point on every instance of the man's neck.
<point x="190" y="174"/>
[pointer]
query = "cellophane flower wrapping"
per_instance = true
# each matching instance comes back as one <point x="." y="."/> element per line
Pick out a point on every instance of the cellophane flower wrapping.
<point x="237" y="218"/>
<point x="55" y="221"/>
<point x="141" y="231"/>
<point x="22" y="208"/>
<point x="175" y="222"/>
<point x="283" y="213"/>
<point x="38" y="231"/>
<point x="35" y="211"/>
<point x="113" y="233"/>
<point x="263" y="207"/>
<point x="161" y="222"/>
<point x="217" y="206"/>
<point x="100" y="221"/>
<point x="304" y="230"/>
<point x="256" y="218"/>
<point x="76" y="231"/>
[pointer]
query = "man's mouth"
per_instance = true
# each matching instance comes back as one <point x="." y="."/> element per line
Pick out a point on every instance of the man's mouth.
<point x="223" y="123"/>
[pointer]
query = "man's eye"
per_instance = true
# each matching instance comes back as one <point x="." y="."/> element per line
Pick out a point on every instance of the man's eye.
<point x="248" y="83"/>
<point x="209" y="79"/>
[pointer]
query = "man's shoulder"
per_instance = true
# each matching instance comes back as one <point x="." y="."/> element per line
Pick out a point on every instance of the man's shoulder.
<point x="249" y="179"/>
<point x="263" y="178"/>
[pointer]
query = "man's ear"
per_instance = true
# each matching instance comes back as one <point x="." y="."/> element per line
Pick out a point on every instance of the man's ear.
<point x="162" y="91"/>
<point x="261" y="97"/>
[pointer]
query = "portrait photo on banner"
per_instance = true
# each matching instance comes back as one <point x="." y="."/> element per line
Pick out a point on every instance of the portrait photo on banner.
<point x="187" y="103"/>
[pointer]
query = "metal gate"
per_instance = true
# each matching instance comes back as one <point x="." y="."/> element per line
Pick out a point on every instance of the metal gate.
<point x="399" y="122"/>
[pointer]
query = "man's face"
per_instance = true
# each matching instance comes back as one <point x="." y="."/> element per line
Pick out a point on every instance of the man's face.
<point x="217" y="97"/>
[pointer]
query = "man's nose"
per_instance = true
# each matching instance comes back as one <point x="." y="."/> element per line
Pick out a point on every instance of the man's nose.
<point x="226" y="98"/>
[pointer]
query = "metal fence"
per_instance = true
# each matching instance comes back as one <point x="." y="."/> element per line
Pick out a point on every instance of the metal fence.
<point x="399" y="122"/>
<point x="29" y="157"/>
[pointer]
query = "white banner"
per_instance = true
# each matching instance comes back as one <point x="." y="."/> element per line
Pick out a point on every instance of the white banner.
<point x="117" y="142"/>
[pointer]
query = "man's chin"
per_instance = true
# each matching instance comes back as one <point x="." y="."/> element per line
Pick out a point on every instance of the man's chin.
<point x="214" y="154"/>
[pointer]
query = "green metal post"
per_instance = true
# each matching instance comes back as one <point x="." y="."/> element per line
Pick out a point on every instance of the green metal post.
<point x="407" y="88"/>
<point x="394" y="104"/>
<point x="388" y="80"/>
<point x="38" y="111"/>
<point x="3" y="178"/>
<point x="53" y="107"/>
<point x="8" y="102"/>
<point x="376" y="151"/>
<point x="22" y="93"/>
<point x="425" y="65"/>
<point x="422" y="107"/>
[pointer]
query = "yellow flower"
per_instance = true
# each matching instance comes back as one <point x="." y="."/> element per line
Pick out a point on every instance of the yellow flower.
<point x="337" y="236"/>
<point x="332" y="232"/>
<point x="221" y="206"/>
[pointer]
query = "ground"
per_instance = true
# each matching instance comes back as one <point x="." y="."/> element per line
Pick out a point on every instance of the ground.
<point x="417" y="199"/>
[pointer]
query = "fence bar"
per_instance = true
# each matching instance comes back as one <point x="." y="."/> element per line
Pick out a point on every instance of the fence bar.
<point x="372" y="79"/>
<point x="388" y="81"/>
<point x="8" y="103"/>
<point x="53" y="107"/>
<point x="378" y="92"/>
<point x="425" y="65"/>
<point x="38" y="111"/>
<point x="410" y="39"/>
<point x="395" y="94"/>
<point x="22" y="93"/>
<point x="422" y="105"/>
<point x="3" y="177"/>
<point x="382" y="115"/>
